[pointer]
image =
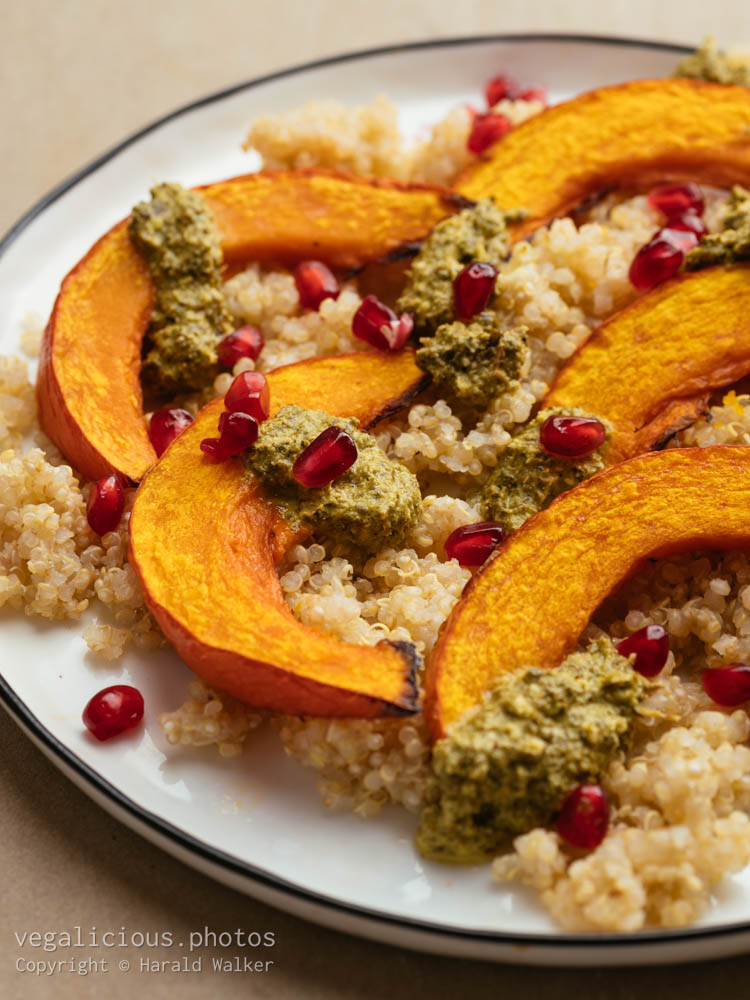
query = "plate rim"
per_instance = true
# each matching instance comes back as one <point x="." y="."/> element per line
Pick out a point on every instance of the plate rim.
<point x="91" y="779"/>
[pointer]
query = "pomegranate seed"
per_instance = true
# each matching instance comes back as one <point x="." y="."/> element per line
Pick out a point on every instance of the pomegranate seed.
<point x="584" y="817"/>
<point x="486" y="129"/>
<point x="657" y="260"/>
<point x="472" y="543"/>
<point x="379" y="326"/>
<point x="535" y="94"/>
<point x="105" y="504"/>
<point x="214" y="449"/>
<point x="113" y="710"/>
<point x="689" y="222"/>
<point x="165" y="425"/>
<point x="501" y="87"/>
<point x="674" y="200"/>
<point x="237" y="431"/>
<point x="315" y="282"/>
<point x="249" y="393"/>
<point x="728" y="686"/>
<point x="472" y="289"/>
<point x="325" y="459"/>
<point x="245" y="342"/>
<point x="571" y="437"/>
<point x="685" y="239"/>
<point x="651" y="647"/>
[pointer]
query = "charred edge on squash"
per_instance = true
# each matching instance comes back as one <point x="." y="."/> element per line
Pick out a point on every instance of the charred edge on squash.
<point x="665" y="434"/>
<point x="394" y="406"/>
<point x="408" y="702"/>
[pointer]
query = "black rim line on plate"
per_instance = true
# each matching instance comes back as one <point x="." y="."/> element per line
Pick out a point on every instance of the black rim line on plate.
<point x="17" y="708"/>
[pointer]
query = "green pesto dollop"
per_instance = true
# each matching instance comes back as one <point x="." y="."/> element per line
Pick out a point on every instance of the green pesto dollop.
<point x="177" y="235"/>
<point x="374" y="504"/>
<point x="474" y="362"/>
<point x="709" y="63"/>
<point x="527" y="479"/>
<point x="507" y="764"/>
<point x="477" y="233"/>
<point x="732" y="243"/>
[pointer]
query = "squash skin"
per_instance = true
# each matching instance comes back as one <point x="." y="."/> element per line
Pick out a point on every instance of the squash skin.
<point x="632" y="135"/>
<point x="204" y="542"/>
<point x="88" y="389"/>
<point x="651" y="368"/>
<point x="530" y="602"/>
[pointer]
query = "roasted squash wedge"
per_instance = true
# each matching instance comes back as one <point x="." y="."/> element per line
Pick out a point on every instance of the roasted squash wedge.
<point x="88" y="388"/>
<point x="628" y="136"/>
<point x="530" y="602"/>
<point x="651" y="368"/>
<point x="205" y="541"/>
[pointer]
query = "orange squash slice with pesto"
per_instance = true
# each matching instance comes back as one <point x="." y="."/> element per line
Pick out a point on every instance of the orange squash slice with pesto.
<point x="530" y="602"/>
<point x="205" y="541"/>
<point x="88" y="389"/>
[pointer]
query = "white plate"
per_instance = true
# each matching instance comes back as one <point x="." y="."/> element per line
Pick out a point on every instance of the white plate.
<point x="256" y="823"/>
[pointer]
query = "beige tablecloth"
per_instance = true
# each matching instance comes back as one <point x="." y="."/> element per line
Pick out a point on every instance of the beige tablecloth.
<point x="78" y="75"/>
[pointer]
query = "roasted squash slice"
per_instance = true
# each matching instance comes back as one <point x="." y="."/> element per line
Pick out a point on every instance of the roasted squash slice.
<point x="629" y="136"/>
<point x="88" y="387"/>
<point x="530" y="602"/>
<point x="651" y="368"/>
<point x="205" y="541"/>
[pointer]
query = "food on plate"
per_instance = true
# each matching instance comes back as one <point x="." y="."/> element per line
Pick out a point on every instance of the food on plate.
<point x="652" y="504"/>
<point x="634" y="134"/>
<point x="509" y="761"/>
<point x="528" y="476"/>
<point x="237" y="633"/>
<point x="359" y="390"/>
<point x="88" y="389"/>
<point x="112" y="711"/>
<point x="650" y="369"/>
<point x="176" y="234"/>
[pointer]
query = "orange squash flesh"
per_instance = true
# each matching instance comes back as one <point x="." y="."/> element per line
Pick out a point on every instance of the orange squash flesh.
<point x="88" y="388"/>
<point x="531" y="601"/>
<point x="651" y="368"/>
<point x="204" y="542"/>
<point x="629" y="136"/>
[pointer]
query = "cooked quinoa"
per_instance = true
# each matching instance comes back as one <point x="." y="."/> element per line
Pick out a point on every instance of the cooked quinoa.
<point x="682" y="796"/>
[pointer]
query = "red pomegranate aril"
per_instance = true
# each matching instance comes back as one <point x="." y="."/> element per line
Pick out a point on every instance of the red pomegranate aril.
<point x="650" y="645"/>
<point x="501" y="87"/>
<point x="113" y="710"/>
<point x="571" y="437"/>
<point x="688" y="223"/>
<point x="237" y="431"/>
<point x="673" y="200"/>
<point x="727" y="686"/>
<point x="105" y="504"/>
<point x="486" y="130"/>
<point x="245" y="342"/>
<point x="315" y="282"/>
<point x="685" y="239"/>
<point x="325" y="459"/>
<point x="535" y="94"/>
<point x="584" y="817"/>
<point x="249" y="393"/>
<point x="472" y="289"/>
<point x="658" y="260"/>
<point x="165" y="425"/>
<point x="213" y="448"/>
<point x="379" y="326"/>
<point x="471" y="544"/>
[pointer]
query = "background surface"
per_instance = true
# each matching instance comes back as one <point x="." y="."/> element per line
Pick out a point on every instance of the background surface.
<point x="76" y="76"/>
